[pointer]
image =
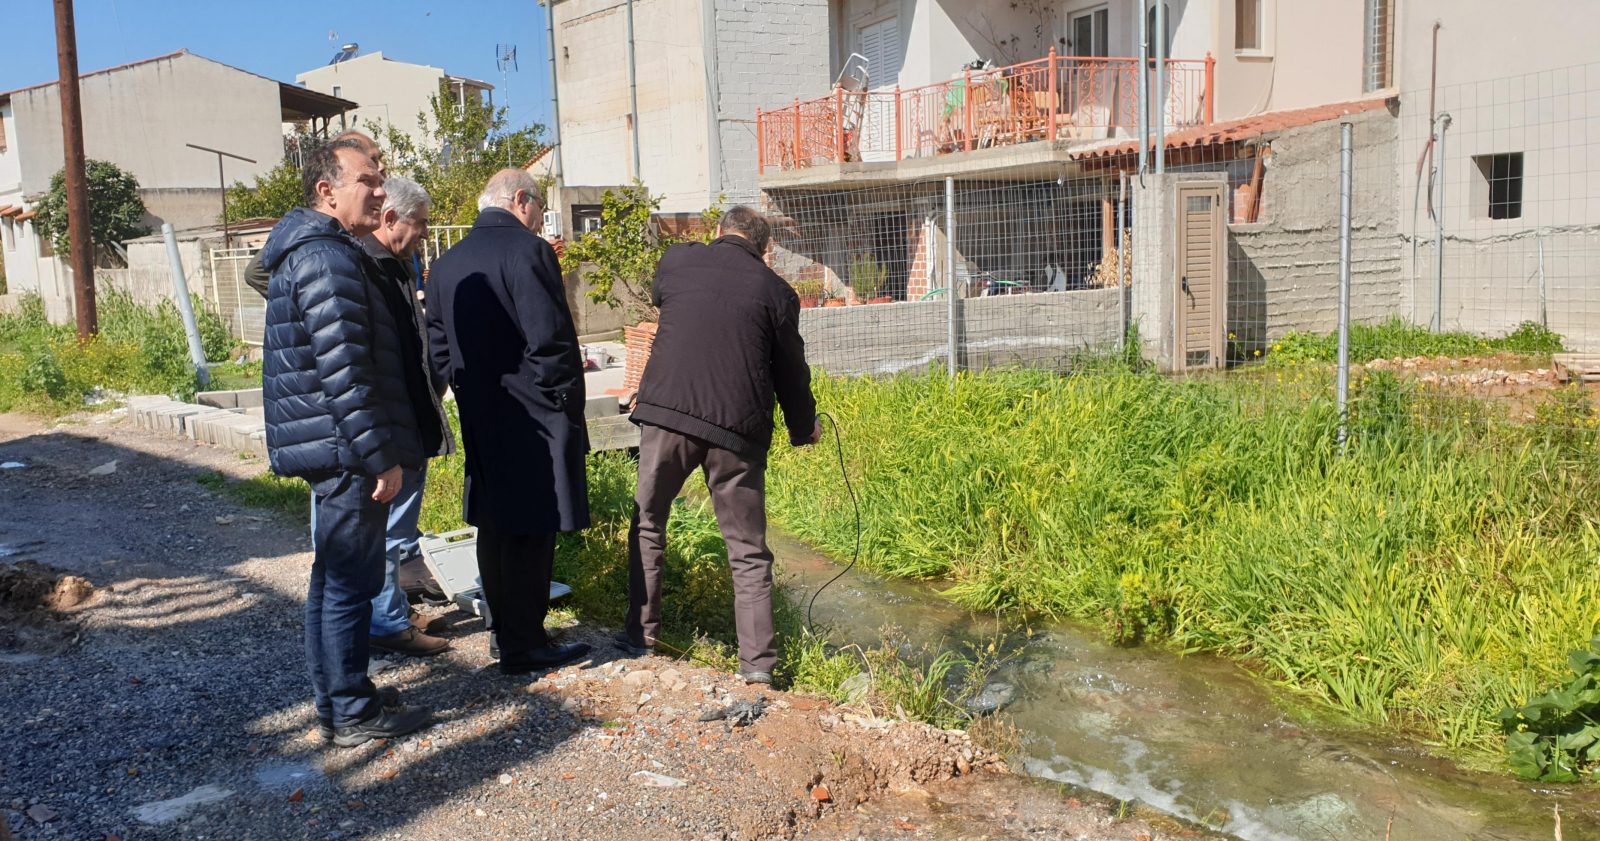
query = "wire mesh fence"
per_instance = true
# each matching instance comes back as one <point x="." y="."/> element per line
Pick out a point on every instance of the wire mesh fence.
<point x="242" y="308"/>
<point x="886" y="288"/>
<point x="1473" y="255"/>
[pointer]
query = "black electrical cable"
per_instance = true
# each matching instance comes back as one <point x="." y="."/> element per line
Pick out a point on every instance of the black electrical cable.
<point x="845" y="474"/>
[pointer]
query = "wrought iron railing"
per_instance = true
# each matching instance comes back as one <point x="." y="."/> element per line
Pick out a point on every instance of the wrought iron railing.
<point x="1052" y="98"/>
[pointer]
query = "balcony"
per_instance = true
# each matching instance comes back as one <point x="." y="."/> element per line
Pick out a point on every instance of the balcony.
<point x="1053" y="98"/>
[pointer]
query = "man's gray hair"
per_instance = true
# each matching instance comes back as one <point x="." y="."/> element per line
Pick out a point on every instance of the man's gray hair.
<point x="748" y="223"/>
<point x="405" y="197"/>
<point x="503" y="187"/>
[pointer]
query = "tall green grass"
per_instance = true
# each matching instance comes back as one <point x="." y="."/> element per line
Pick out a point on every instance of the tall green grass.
<point x="44" y="368"/>
<point x="1398" y="337"/>
<point x="1438" y="573"/>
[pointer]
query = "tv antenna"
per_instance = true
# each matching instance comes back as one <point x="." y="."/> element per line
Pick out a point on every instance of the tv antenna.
<point x="505" y="57"/>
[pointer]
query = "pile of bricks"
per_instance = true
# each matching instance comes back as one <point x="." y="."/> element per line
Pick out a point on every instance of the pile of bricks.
<point x="230" y="419"/>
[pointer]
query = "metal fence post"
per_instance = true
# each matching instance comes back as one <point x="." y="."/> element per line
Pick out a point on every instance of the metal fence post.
<point x="1346" y="167"/>
<point x="1124" y="276"/>
<point x="180" y="286"/>
<point x="950" y="270"/>
<point x="1438" y="227"/>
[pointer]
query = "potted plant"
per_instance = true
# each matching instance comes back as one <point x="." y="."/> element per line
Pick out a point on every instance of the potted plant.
<point x="810" y="292"/>
<point x="622" y="256"/>
<point x="868" y="278"/>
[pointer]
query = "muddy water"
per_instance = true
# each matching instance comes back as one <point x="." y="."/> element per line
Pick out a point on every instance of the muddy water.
<point x="1197" y="737"/>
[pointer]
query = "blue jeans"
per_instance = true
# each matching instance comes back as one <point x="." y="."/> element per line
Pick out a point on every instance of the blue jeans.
<point x="346" y="573"/>
<point x="391" y="611"/>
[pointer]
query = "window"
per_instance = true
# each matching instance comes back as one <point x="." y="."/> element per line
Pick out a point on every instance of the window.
<point x="1248" y="16"/>
<point x="338" y="91"/>
<point x="1089" y="33"/>
<point x="880" y="44"/>
<point x="1497" y="191"/>
<point x="1378" y="47"/>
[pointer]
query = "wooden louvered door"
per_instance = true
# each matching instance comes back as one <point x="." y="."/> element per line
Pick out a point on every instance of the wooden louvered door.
<point x="1202" y="285"/>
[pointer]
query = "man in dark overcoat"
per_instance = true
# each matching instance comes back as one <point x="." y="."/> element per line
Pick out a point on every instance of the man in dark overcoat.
<point x="501" y="334"/>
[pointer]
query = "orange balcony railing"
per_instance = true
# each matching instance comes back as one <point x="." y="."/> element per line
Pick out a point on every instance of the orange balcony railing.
<point x="1056" y="97"/>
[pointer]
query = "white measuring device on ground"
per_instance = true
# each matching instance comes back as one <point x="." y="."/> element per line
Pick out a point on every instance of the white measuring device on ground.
<point x="452" y="557"/>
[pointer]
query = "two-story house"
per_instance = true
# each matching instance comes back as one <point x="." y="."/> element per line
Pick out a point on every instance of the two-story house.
<point x="141" y="117"/>
<point x="390" y="92"/>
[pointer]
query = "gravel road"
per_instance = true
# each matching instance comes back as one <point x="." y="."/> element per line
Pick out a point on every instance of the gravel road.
<point x="170" y="700"/>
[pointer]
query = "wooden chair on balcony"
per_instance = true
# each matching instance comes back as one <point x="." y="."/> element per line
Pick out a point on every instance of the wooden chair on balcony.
<point x="1030" y="111"/>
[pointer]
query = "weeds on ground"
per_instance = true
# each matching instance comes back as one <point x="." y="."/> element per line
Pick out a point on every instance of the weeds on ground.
<point x="1555" y="737"/>
<point x="1431" y="577"/>
<point x="45" y="369"/>
<point x="1399" y="338"/>
<point x="291" y="497"/>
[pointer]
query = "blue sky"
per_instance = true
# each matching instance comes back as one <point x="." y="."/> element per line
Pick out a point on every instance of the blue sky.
<point x="279" y="38"/>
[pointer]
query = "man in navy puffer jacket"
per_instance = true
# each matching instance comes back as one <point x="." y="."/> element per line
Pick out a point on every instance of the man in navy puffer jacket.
<point x="339" y="416"/>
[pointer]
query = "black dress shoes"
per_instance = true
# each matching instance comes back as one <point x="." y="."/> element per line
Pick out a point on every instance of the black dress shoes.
<point x="538" y="659"/>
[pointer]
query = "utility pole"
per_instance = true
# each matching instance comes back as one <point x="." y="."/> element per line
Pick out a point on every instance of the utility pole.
<point x="77" y="179"/>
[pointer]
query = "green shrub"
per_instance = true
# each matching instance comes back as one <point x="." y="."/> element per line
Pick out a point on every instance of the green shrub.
<point x="137" y="348"/>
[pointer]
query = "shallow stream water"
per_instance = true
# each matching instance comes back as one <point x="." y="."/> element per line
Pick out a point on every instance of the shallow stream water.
<point x="1196" y="736"/>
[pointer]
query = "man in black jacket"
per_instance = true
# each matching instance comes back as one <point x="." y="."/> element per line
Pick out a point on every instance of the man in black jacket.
<point x="728" y="342"/>
<point x="400" y="231"/>
<point x="502" y="336"/>
<point x="340" y="416"/>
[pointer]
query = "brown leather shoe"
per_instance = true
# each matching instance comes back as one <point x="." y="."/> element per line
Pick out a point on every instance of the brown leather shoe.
<point x="410" y="641"/>
<point x="429" y="624"/>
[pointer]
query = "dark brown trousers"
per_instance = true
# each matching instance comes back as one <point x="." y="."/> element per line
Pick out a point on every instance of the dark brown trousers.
<point x="738" y="488"/>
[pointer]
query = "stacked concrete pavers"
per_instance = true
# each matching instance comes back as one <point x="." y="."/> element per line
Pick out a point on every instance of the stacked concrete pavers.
<point x="229" y="419"/>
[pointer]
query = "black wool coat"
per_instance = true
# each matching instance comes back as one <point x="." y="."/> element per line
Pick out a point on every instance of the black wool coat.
<point x="501" y="334"/>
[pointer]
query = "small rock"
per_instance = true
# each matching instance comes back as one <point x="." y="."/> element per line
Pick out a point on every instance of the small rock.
<point x="654" y="780"/>
<point x="12" y="465"/>
<point x="167" y="811"/>
<point x="224" y="520"/>
<point x="106" y="469"/>
<point x="298" y="795"/>
<point x="641" y="677"/>
<point x="480" y="813"/>
<point x="993" y="698"/>
<point x="820" y="794"/>
<point x="41" y="813"/>
<point x="644" y="698"/>
<point x="673" y="680"/>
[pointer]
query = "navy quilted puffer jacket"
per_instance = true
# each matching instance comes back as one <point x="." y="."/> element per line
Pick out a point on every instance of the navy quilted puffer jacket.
<point x="333" y="378"/>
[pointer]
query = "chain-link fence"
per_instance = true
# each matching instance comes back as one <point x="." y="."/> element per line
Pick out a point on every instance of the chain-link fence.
<point x="1234" y="254"/>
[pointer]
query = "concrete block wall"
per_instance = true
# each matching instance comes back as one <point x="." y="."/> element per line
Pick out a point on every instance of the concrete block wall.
<point x="1283" y="270"/>
<point x="767" y="53"/>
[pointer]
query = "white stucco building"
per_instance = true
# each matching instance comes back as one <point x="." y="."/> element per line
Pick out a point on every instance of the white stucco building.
<point x="390" y="92"/>
<point x="140" y="116"/>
